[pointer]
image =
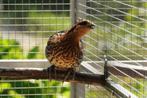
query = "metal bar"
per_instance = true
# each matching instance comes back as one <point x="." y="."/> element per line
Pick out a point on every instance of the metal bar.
<point x="125" y="83"/>
<point x="44" y="18"/>
<point x="124" y="93"/>
<point x="33" y="4"/>
<point x="126" y="68"/>
<point x="78" y="89"/>
<point x="74" y="86"/>
<point x="12" y="11"/>
<point x="73" y="13"/>
<point x="112" y="25"/>
<point x="79" y="7"/>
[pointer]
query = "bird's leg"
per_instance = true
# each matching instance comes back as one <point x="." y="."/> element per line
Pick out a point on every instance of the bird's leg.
<point x="49" y="69"/>
<point x="69" y="71"/>
<point x="75" y="68"/>
<point x="55" y="72"/>
<point x="74" y="73"/>
<point x="66" y="76"/>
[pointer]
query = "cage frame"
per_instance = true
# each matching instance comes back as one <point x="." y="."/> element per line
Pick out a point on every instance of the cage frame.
<point x="112" y="87"/>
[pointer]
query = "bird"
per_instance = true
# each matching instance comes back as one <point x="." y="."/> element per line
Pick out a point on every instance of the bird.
<point x="64" y="49"/>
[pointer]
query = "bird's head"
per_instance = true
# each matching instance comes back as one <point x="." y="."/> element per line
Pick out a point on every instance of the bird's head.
<point x="80" y="29"/>
<point x="84" y="26"/>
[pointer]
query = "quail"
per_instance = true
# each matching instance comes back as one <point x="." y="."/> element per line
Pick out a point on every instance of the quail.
<point x="64" y="49"/>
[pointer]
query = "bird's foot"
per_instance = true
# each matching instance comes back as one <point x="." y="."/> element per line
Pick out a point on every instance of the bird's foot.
<point x="74" y="72"/>
<point x="69" y="71"/>
<point x="49" y="70"/>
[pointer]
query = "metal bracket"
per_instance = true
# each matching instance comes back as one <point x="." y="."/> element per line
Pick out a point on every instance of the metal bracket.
<point x="106" y="74"/>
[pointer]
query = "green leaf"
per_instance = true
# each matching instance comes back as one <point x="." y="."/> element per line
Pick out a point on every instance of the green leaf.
<point x="33" y="52"/>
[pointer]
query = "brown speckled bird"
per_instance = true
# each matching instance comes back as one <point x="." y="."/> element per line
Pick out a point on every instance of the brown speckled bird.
<point x="64" y="49"/>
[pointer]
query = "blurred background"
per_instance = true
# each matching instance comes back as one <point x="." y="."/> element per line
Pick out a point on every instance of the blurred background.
<point x="120" y="35"/>
<point x="25" y="26"/>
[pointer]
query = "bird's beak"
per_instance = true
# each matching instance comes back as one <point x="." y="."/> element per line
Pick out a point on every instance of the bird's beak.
<point x="92" y="26"/>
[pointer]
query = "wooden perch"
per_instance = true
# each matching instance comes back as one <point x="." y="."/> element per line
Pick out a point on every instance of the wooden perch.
<point x="59" y="75"/>
<point x="22" y="71"/>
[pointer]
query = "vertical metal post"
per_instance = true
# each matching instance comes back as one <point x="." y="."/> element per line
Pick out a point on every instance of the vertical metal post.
<point x="75" y="7"/>
<point x="106" y="67"/>
<point x="77" y="90"/>
<point x="1" y="6"/>
<point x="73" y="12"/>
<point x="81" y="8"/>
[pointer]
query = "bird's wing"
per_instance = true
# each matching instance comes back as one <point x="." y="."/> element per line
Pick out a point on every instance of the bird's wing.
<point x="52" y="41"/>
<point x="55" y="38"/>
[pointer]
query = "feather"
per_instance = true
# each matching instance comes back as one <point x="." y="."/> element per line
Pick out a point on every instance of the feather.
<point x="65" y="48"/>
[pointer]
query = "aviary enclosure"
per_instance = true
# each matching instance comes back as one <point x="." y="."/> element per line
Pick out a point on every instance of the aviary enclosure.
<point x="115" y="50"/>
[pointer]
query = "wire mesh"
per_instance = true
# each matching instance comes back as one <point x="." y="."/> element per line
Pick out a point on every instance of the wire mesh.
<point x="98" y="92"/>
<point x="33" y="89"/>
<point x="120" y="35"/>
<point x="25" y="26"/>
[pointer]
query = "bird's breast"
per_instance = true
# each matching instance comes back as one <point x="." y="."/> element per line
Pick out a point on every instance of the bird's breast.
<point x="63" y="56"/>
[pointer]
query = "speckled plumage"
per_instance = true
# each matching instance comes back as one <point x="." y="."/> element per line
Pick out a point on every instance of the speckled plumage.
<point x="64" y="49"/>
<point x="62" y="53"/>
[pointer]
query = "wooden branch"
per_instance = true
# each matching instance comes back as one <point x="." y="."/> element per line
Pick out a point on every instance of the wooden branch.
<point x="96" y="78"/>
<point x="52" y="74"/>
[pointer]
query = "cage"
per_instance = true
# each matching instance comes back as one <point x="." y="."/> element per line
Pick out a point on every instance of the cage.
<point x="116" y="49"/>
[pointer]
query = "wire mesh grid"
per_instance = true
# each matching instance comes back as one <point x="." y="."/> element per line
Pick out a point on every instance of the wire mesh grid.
<point x="30" y="23"/>
<point x="98" y="92"/>
<point x="25" y="26"/>
<point x="120" y="35"/>
<point x="33" y="89"/>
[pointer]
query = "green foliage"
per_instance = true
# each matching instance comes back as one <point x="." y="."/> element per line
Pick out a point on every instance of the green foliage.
<point x="33" y="52"/>
<point x="10" y="49"/>
<point x="30" y="89"/>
